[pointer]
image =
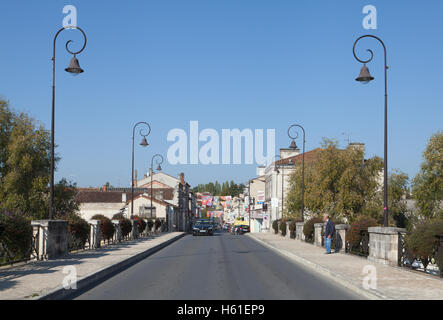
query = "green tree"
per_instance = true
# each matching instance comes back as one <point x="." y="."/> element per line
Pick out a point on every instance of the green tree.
<point x="340" y="182"/>
<point x="427" y="186"/>
<point x="25" y="167"/>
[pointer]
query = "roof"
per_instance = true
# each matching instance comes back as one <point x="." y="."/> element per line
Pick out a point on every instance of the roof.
<point x="97" y="196"/>
<point x="309" y="156"/>
<point x="163" y="203"/>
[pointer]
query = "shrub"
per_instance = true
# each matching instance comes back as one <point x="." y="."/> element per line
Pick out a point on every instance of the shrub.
<point x="79" y="230"/>
<point x="353" y="236"/>
<point x="141" y="224"/>
<point x="422" y="244"/>
<point x="275" y="226"/>
<point x="125" y="224"/>
<point x="15" y="237"/>
<point x="309" y="229"/>
<point x="107" y="228"/>
<point x="283" y="228"/>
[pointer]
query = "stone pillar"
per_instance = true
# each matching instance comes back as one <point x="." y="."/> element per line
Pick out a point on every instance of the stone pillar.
<point x="52" y="239"/>
<point x="299" y="231"/>
<point x="318" y="227"/>
<point x="440" y="254"/>
<point x="340" y="237"/>
<point x="134" y="232"/>
<point x="118" y="231"/>
<point x="383" y="244"/>
<point x="146" y="229"/>
<point x="95" y="234"/>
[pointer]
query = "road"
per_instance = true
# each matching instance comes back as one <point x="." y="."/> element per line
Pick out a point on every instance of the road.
<point x="223" y="266"/>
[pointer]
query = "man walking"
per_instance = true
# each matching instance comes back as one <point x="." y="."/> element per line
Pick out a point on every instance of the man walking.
<point x="329" y="232"/>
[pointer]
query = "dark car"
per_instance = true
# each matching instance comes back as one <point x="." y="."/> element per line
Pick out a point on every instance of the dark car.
<point x="241" y="229"/>
<point x="203" y="228"/>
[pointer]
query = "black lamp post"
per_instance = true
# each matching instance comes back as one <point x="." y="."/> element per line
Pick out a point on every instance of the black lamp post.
<point x="144" y="143"/>
<point x="294" y="146"/>
<point x="73" y="68"/>
<point x="365" y="77"/>
<point x="159" y="168"/>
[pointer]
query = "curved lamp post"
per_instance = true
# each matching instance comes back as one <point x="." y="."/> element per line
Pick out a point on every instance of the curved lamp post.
<point x="144" y="143"/>
<point x="73" y="68"/>
<point x="365" y="77"/>
<point x="294" y="146"/>
<point x="159" y="168"/>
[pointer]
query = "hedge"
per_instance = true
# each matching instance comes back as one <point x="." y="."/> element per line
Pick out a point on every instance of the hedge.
<point x="15" y="237"/>
<point x="107" y="227"/>
<point x="309" y="229"/>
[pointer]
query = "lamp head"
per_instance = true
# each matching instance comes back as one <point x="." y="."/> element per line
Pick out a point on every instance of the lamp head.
<point x="74" y="67"/>
<point x="293" y="145"/>
<point x="159" y="168"/>
<point x="144" y="142"/>
<point x="364" y="77"/>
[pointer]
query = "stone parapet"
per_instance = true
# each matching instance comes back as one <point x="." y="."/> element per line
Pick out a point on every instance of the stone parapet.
<point x="384" y="244"/>
<point x="52" y="239"/>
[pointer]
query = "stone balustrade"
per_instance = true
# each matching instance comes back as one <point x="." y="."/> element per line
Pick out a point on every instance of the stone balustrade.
<point x="340" y="237"/>
<point x="299" y="231"/>
<point x="95" y="234"/>
<point x="52" y="239"/>
<point x="318" y="227"/>
<point x="384" y="244"/>
<point x="118" y="231"/>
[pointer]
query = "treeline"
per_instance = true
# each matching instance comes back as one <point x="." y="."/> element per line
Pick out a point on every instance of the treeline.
<point x="225" y="189"/>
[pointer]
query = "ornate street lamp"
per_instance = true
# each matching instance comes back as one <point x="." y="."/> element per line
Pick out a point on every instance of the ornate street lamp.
<point x="294" y="146"/>
<point x="74" y="68"/>
<point x="159" y="161"/>
<point x="365" y="77"/>
<point x="144" y="143"/>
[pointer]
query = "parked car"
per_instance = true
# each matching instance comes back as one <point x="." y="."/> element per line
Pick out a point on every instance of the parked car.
<point x="203" y="228"/>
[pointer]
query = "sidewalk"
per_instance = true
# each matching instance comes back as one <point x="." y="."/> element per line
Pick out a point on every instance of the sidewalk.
<point x="392" y="282"/>
<point x="38" y="279"/>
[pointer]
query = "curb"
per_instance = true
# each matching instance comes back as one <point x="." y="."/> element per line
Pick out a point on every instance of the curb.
<point x="95" y="278"/>
<point x="338" y="278"/>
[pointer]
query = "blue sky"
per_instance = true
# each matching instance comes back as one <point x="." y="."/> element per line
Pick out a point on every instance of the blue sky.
<point x="255" y="64"/>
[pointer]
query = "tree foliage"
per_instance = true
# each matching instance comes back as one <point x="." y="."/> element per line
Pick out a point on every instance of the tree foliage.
<point x="225" y="189"/>
<point x="25" y="168"/>
<point x="427" y="186"/>
<point x="339" y="182"/>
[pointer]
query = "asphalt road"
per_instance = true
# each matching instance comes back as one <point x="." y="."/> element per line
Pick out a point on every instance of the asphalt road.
<point x="223" y="266"/>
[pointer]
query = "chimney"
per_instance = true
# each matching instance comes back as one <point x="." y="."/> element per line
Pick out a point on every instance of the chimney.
<point x="182" y="178"/>
<point x="357" y="145"/>
<point x="289" y="152"/>
<point x="150" y="172"/>
<point x="124" y="197"/>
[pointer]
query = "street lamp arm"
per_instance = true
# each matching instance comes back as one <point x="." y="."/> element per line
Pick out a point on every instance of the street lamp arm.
<point x="68" y="43"/>
<point x="370" y="51"/>
<point x="158" y="161"/>
<point x="141" y="130"/>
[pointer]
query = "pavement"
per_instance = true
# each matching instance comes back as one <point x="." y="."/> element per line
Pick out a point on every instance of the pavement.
<point x="391" y="283"/>
<point x="218" y="267"/>
<point x="45" y="279"/>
